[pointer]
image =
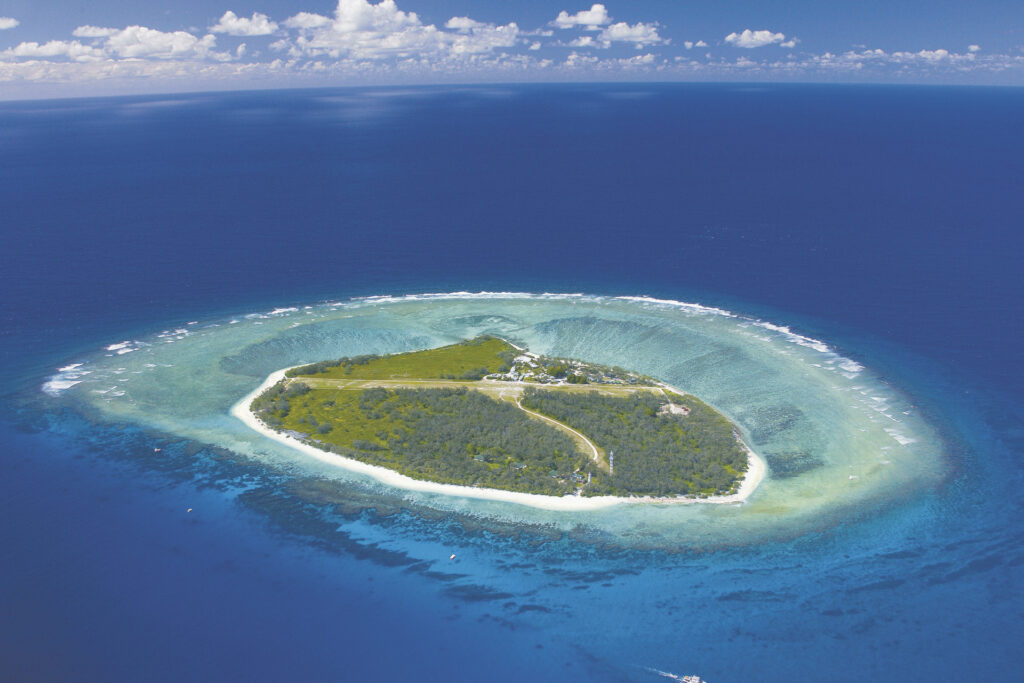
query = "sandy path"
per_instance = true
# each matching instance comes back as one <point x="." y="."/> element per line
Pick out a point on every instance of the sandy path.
<point x="566" y="428"/>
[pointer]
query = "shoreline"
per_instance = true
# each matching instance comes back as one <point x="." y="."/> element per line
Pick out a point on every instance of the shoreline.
<point x="751" y="479"/>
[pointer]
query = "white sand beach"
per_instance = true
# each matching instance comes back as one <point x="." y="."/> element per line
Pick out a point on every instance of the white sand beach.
<point x="755" y="472"/>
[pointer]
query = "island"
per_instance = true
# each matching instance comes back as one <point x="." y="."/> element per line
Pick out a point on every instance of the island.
<point x="484" y="415"/>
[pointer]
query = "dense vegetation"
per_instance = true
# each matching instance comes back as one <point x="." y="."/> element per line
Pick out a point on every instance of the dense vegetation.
<point x="656" y="453"/>
<point x="468" y="360"/>
<point x="461" y="435"/>
<point x="448" y="435"/>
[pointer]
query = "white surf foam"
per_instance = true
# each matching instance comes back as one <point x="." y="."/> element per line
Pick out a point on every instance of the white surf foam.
<point x="56" y="386"/>
<point x="795" y="338"/>
<point x="65" y="378"/>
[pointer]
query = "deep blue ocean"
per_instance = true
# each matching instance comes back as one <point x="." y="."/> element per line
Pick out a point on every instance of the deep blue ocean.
<point x="886" y="220"/>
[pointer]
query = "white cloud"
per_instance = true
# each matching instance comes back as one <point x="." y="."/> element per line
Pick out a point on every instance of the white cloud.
<point x="88" y="31"/>
<point x="484" y="38"/>
<point x="639" y="60"/>
<point x="534" y="45"/>
<point x="232" y="24"/>
<point x="928" y="55"/>
<point x="131" y="74"/>
<point x="72" y="49"/>
<point x="640" y="34"/>
<point x="583" y="41"/>
<point x="8" y="22"/>
<point x="751" y="39"/>
<point x="361" y="30"/>
<point x="306" y="20"/>
<point x="973" y="48"/>
<point x="132" y="42"/>
<point x="359" y="15"/>
<point x="139" y="41"/>
<point x="790" y="43"/>
<point x="922" y="61"/>
<point x="590" y="19"/>
<point x="463" y="24"/>
<point x="576" y="59"/>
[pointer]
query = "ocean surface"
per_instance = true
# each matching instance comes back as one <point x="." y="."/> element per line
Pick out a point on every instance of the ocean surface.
<point x="837" y="268"/>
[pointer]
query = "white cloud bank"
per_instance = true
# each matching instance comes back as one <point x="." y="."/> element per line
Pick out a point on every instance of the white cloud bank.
<point x="8" y="22"/>
<point x="131" y="42"/>
<point x="751" y="39"/>
<point x="72" y="49"/>
<point x="362" y="42"/>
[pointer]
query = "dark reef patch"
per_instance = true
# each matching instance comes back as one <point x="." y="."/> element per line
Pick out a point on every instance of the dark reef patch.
<point x="792" y="464"/>
<point x="470" y="326"/>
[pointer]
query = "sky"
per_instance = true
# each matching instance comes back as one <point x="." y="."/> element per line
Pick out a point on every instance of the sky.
<point x="73" y="48"/>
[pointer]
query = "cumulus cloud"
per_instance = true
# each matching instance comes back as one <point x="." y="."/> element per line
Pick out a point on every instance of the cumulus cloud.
<point x="307" y="20"/>
<point x="938" y="55"/>
<point x="485" y="38"/>
<point x="93" y="32"/>
<point x="640" y="60"/>
<point x="132" y="42"/>
<point x="8" y="22"/>
<point x="232" y="24"/>
<point x="71" y="49"/>
<point x="751" y="39"/>
<point x="973" y="48"/>
<point x="362" y="30"/>
<point x="464" y="24"/>
<point x="576" y="59"/>
<point x="923" y="61"/>
<point x="139" y="41"/>
<point x="640" y="34"/>
<point x="590" y="19"/>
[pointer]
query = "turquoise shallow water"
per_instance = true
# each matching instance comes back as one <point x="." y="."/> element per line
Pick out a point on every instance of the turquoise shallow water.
<point x="836" y="437"/>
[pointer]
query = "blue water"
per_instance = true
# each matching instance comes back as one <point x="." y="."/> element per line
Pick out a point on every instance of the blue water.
<point x="885" y="220"/>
